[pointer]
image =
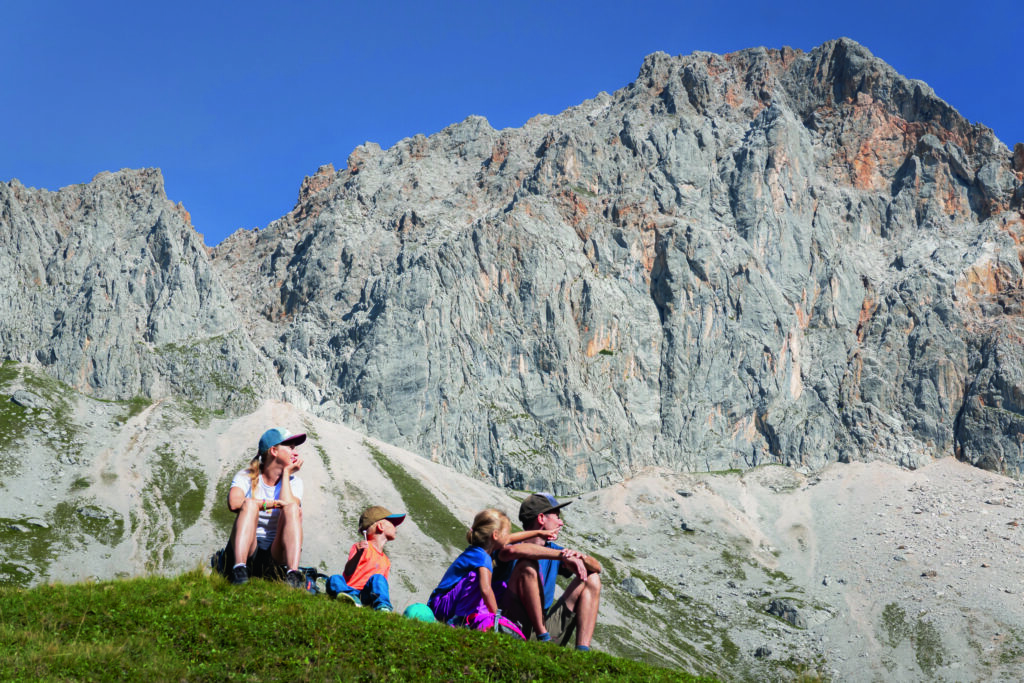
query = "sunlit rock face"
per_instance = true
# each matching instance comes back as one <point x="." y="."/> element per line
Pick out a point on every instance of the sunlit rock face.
<point x="767" y="256"/>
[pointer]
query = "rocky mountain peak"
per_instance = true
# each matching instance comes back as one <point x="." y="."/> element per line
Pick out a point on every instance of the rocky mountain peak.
<point x="766" y="256"/>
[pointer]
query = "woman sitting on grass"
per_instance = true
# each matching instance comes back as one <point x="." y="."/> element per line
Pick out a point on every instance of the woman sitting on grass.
<point x="267" y="497"/>
<point x="465" y="596"/>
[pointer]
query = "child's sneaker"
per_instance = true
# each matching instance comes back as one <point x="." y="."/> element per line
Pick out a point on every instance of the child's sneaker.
<point x="348" y="599"/>
<point x="239" y="575"/>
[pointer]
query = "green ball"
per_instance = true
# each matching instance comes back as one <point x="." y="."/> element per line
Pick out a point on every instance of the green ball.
<point x="419" y="612"/>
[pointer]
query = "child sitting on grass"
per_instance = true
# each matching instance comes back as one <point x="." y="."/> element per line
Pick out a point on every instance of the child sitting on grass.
<point x="365" y="577"/>
<point x="465" y="590"/>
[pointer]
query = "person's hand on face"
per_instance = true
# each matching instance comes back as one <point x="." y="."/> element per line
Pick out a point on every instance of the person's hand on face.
<point x="291" y="459"/>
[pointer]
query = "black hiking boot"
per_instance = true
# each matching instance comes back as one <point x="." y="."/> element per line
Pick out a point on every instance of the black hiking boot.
<point x="295" y="579"/>
<point x="239" y="575"/>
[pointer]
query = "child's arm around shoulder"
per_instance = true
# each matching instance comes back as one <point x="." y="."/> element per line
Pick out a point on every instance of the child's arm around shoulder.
<point x="520" y="536"/>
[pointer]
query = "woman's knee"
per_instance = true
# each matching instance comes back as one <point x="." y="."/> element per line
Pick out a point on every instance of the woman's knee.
<point x="247" y="513"/>
<point x="291" y="512"/>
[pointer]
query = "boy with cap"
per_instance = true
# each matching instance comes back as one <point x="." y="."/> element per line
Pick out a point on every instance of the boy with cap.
<point x="365" y="577"/>
<point x="531" y="568"/>
<point x="267" y="500"/>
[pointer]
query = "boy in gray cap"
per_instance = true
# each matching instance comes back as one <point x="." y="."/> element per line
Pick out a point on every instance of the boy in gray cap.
<point x="531" y="568"/>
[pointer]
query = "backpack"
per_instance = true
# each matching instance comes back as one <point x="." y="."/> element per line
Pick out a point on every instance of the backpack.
<point x="315" y="582"/>
<point x="485" y="621"/>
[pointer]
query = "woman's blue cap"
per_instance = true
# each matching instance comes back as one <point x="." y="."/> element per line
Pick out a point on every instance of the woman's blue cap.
<point x="276" y="437"/>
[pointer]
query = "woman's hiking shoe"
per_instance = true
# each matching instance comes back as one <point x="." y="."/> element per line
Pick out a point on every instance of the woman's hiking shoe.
<point x="239" y="575"/>
<point x="295" y="579"/>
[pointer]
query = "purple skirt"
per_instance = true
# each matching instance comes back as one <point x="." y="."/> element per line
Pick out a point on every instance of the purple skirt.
<point x="462" y="600"/>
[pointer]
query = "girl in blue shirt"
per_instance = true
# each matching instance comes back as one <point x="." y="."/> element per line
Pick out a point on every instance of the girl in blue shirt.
<point x="465" y="589"/>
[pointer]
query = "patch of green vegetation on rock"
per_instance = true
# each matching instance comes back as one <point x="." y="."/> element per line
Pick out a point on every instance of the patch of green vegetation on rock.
<point x="1013" y="648"/>
<point x="313" y="439"/>
<point x="623" y="642"/>
<point x="52" y="418"/>
<point x="928" y="646"/>
<point x="734" y="564"/>
<point x="195" y="412"/>
<point x="13" y="421"/>
<point x="153" y="535"/>
<point x="81" y="483"/>
<point x="351" y="504"/>
<point x="802" y="670"/>
<point x="181" y="488"/>
<point x="431" y="515"/>
<point x="8" y="372"/>
<point x="894" y="624"/>
<point x="133" y="407"/>
<point x="608" y="570"/>
<point x="730" y="650"/>
<point x="684" y="625"/>
<point x="30" y="545"/>
<point x="204" y="377"/>
<point x="83" y="521"/>
<point x="220" y="514"/>
<point x="923" y="636"/>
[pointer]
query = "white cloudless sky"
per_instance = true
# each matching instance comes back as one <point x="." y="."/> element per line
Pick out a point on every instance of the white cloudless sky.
<point x="237" y="102"/>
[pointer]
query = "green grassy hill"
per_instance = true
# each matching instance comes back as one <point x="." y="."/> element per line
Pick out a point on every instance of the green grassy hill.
<point x="197" y="628"/>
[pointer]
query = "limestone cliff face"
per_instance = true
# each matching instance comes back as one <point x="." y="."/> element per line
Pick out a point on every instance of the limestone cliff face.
<point x="109" y="287"/>
<point x="768" y="256"/>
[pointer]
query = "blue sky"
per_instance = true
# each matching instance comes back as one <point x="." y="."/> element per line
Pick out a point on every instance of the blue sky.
<point x="237" y="102"/>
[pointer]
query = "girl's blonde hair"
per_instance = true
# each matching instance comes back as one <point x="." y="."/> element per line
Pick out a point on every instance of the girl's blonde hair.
<point x="485" y="524"/>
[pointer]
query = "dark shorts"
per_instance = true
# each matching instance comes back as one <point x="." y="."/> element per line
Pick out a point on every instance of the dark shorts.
<point x="260" y="564"/>
<point x="559" y="619"/>
<point x="561" y="622"/>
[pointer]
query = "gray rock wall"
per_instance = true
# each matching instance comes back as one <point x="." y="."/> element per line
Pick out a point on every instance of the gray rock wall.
<point x="768" y="256"/>
<point x="108" y="287"/>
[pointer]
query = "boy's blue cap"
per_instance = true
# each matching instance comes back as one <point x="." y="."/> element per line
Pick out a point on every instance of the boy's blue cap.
<point x="276" y="437"/>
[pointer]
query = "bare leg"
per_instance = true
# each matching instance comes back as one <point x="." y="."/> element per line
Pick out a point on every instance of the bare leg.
<point x="287" y="546"/>
<point x="243" y="533"/>
<point x="584" y="598"/>
<point x="525" y="582"/>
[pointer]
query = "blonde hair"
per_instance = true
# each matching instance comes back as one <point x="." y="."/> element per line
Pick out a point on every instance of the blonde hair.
<point x="255" y="467"/>
<point x="485" y="524"/>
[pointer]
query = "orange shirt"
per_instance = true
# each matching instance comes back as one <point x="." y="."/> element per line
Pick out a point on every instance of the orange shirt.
<point x="372" y="562"/>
